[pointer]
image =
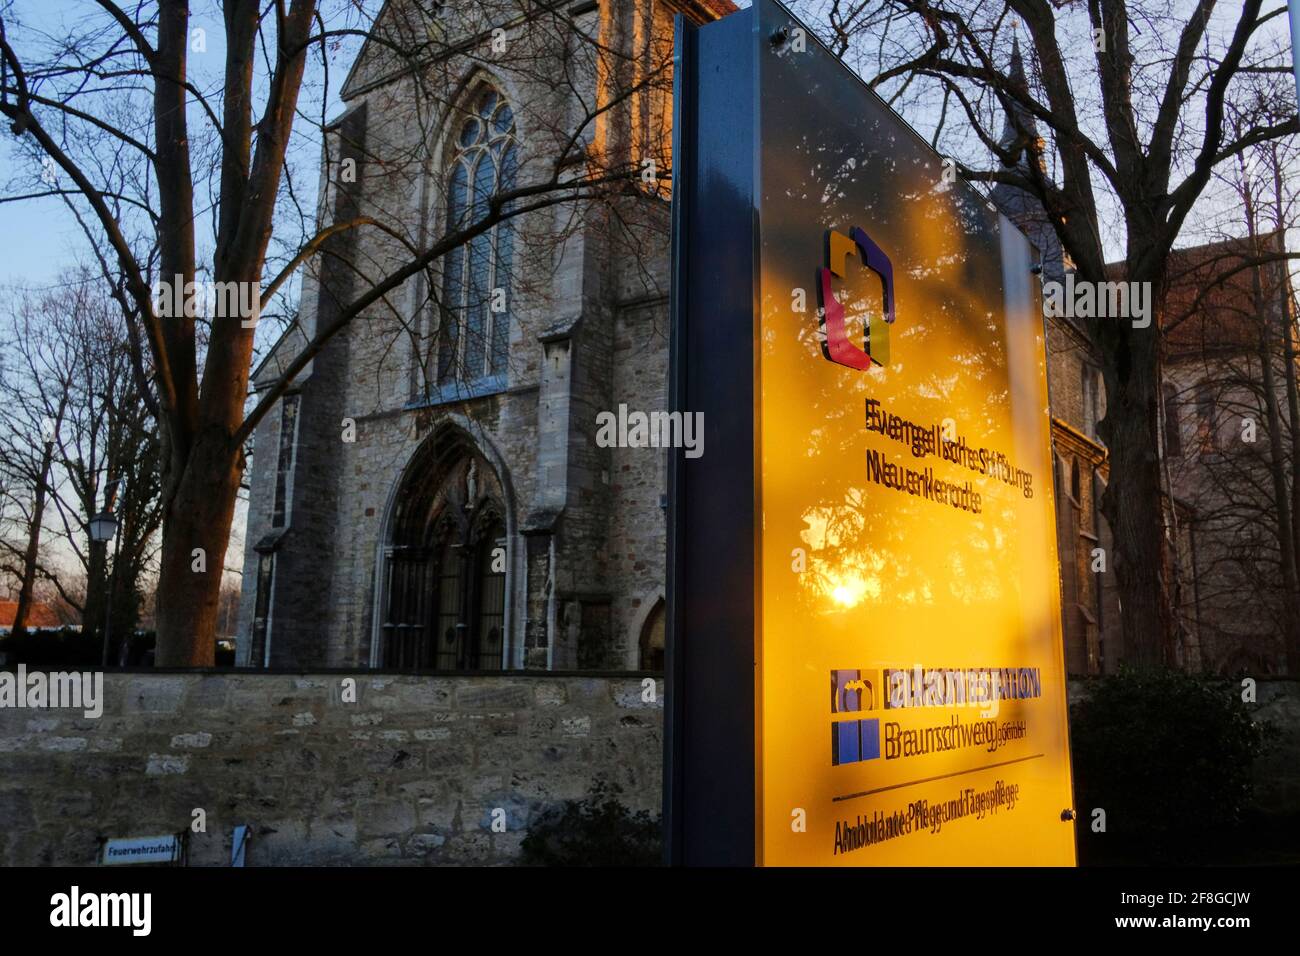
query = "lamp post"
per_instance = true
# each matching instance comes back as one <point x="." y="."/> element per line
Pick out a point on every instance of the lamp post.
<point x="102" y="528"/>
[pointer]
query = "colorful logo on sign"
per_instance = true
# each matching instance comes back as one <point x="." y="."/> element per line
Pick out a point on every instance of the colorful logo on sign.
<point x="853" y="739"/>
<point x="837" y="346"/>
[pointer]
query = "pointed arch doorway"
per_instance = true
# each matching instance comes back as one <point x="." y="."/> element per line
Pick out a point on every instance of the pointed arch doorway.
<point x="443" y="580"/>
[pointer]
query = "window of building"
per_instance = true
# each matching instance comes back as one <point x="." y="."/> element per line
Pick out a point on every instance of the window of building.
<point x="1206" y="420"/>
<point x="653" y="639"/>
<point x="1070" y="558"/>
<point x="262" y="611"/>
<point x="1091" y="387"/>
<point x="1173" y="436"/>
<point x="285" y="461"/>
<point x="474" y="328"/>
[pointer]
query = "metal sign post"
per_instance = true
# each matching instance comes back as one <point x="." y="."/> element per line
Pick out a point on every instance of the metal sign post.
<point x="865" y="664"/>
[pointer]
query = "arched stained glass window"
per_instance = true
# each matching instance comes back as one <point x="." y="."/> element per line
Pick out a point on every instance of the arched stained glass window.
<point x="474" y="332"/>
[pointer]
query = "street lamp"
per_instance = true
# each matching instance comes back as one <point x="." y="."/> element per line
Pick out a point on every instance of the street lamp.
<point x="102" y="528"/>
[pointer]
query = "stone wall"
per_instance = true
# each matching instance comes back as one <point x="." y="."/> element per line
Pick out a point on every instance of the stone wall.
<point x="409" y="774"/>
<point x="587" y="317"/>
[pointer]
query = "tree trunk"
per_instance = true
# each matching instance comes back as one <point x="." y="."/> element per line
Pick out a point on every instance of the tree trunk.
<point x="1133" y="501"/>
<point x="92" y="608"/>
<point x="32" y="553"/>
<point x="1286" y="322"/>
<point x="196" y="531"/>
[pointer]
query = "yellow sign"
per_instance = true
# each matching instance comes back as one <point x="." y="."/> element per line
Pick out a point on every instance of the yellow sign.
<point x="910" y="684"/>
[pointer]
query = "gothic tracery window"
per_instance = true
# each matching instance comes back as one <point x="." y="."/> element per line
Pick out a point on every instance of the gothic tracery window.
<point x="474" y="328"/>
<point x="288" y="451"/>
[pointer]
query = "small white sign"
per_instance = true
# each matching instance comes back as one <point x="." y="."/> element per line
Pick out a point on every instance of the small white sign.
<point x="153" y="849"/>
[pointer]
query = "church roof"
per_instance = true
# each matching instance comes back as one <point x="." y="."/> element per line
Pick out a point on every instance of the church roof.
<point x="1016" y="203"/>
<point x="1210" y="307"/>
<point x="1023" y="118"/>
<point x="376" y="64"/>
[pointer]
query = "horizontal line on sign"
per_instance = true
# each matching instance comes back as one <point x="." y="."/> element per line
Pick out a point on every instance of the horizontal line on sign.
<point x="942" y="776"/>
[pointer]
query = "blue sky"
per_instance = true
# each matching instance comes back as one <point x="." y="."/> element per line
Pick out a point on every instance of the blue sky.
<point x="41" y="237"/>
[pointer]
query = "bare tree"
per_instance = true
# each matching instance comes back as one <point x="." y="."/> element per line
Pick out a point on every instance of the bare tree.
<point x="75" y="423"/>
<point x="1231" y="389"/>
<point x="27" y="449"/>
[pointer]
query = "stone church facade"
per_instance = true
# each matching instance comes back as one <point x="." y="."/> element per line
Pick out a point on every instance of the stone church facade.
<point x="429" y="494"/>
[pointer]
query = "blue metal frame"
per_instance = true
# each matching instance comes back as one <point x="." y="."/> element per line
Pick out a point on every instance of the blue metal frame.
<point x="712" y="574"/>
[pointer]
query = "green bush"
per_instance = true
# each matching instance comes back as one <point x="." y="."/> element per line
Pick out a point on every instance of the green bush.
<point x="1166" y="755"/>
<point x="595" y="831"/>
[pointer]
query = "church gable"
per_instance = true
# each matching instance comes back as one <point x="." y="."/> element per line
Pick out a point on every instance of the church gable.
<point x="405" y="32"/>
<point x="410" y="33"/>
